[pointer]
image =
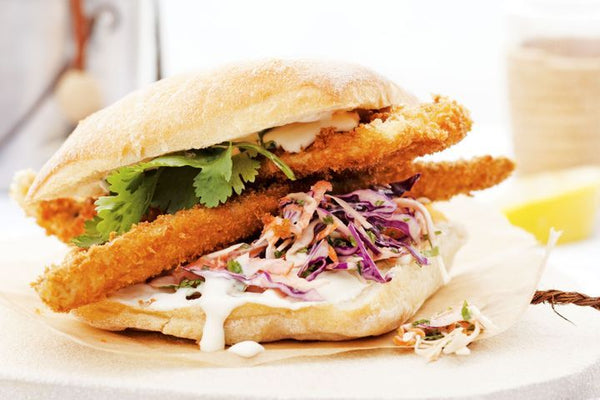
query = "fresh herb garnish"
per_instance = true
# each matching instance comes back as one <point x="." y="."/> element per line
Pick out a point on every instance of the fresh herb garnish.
<point x="371" y="236"/>
<point x="234" y="266"/>
<point x="422" y="321"/>
<point x="189" y="283"/>
<point x="352" y="241"/>
<point x="132" y="192"/>
<point x="278" y="253"/>
<point x="465" y="312"/>
<point x="270" y="145"/>
<point x="426" y="237"/>
<point x="172" y="183"/>
<point x="379" y="203"/>
<point x="328" y="220"/>
<point x="435" y="335"/>
<point x="433" y="252"/>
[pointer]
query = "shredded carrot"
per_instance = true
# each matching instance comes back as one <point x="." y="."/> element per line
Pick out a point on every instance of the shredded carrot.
<point x="332" y="254"/>
<point x="325" y="232"/>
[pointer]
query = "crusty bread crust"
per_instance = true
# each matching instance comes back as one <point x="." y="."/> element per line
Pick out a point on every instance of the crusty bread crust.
<point x="197" y="110"/>
<point x="379" y="308"/>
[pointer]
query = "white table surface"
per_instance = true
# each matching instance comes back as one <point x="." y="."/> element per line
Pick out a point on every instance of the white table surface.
<point x="53" y="367"/>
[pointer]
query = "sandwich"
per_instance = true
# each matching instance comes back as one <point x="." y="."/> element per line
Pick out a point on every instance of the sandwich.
<point x="260" y="201"/>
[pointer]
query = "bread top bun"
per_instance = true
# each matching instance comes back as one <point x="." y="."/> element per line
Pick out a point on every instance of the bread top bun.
<point x="197" y="110"/>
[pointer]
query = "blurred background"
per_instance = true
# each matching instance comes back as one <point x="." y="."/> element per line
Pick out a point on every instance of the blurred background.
<point x="529" y="71"/>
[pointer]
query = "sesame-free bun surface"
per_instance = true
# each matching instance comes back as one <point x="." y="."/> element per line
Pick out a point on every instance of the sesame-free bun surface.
<point x="379" y="308"/>
<point x="197" y="110"/>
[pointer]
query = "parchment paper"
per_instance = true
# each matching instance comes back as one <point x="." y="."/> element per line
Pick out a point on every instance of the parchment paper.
<point x="497" y="270"/>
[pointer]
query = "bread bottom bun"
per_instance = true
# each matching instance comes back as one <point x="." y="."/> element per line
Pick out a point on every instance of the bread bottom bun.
<point x="377" y="309"/>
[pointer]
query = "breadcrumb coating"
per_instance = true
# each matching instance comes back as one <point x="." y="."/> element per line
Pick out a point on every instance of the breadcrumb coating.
<point x="405" y="132"/>
<point x="63" y="218"/>
<point x="438" y="181"/>
<point x="86" y="276"/>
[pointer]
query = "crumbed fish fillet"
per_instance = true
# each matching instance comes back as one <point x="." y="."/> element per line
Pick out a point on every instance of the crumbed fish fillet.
<point x="402" y="132"/>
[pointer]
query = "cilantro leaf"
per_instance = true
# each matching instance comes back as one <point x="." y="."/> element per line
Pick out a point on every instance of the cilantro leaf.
<point x="175" y="190"/>
<point x="245" y="169"/>
<point x="91" y="236"/>
<point x="212" y="182"/>
<point x="130" y="195"/>
<point x="270" y="156"/>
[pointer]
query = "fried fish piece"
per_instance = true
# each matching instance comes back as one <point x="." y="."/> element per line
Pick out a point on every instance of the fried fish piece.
<point x="63" y="218"/>
<point x="86" y="276"/>
<point x="404" y="131"/>
<point x="439" y="180"/>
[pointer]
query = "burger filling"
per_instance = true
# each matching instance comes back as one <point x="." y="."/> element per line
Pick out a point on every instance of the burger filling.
<point x="319" y="248"/>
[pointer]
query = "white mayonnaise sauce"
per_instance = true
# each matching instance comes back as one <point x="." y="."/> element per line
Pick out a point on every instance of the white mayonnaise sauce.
<point x="246" y="349"/>
<point x="297" y="136"/>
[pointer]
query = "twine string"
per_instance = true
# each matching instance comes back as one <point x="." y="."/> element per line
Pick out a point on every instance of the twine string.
<point x="554" y="297"/>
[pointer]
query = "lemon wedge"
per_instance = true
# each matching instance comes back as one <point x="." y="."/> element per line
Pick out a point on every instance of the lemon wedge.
<point x="566" y="200"/>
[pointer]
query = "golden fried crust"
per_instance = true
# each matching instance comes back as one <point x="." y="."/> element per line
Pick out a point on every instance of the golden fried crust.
<point x="444" y="180"/>
<point x="149" y="248"/>
<point x="406" y="132"/>
<point x="438" y="181"/>
<point x="63" y="218"/>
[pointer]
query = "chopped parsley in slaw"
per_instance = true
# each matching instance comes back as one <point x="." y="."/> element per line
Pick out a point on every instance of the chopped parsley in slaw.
<point x="449" y="332"/>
